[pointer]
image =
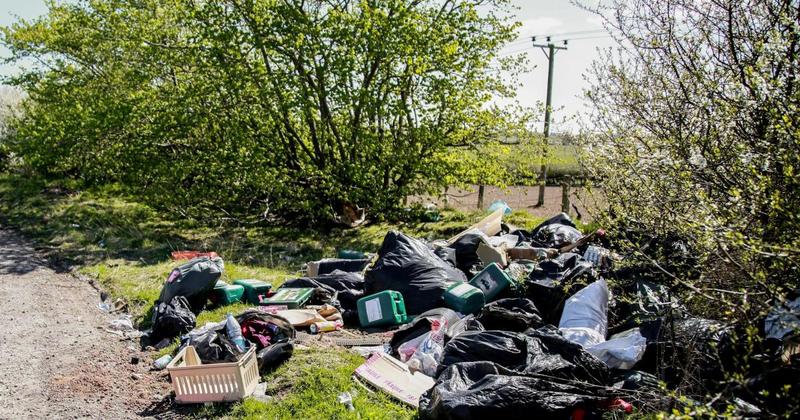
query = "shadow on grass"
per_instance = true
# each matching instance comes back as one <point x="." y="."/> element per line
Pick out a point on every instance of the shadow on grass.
<point x="87" y="227"/>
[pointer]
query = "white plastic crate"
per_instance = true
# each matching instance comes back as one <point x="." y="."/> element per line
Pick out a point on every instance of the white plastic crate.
<point x="195" y="382"/>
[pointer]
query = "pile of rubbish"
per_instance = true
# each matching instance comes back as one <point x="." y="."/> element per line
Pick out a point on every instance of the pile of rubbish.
<point x="495" y="320"/>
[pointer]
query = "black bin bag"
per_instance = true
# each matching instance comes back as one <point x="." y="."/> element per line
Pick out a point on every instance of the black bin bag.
<point x="194" y="280"/>
<point x="408" y="266"/>
<point x="510" y="314"/>
<point x="173" y="318"/>
<point x="555" y="232"/>
<point x="541" y="351"/>
<point x="484" y="390"/>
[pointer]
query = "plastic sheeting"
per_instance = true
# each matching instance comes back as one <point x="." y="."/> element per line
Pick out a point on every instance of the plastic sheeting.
<point x="538" y="351"/>
<point x="408" y="266"/>
<point x="783" y="321"/>
<point x="480" y="390"/>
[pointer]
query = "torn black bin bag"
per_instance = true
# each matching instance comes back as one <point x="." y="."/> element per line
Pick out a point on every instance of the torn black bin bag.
<point x="537" y="351"/>
<point x="345" y="286"/>
<point x="194" y="280"/>
<point x="698" y="352"/>
<point x="555" y="232"/>
<point x="212" y="344"/>
<point x="511" y="314"/>
<point x="774" y="390"/>
<point x="421" y="325"/>
<point x="466" y="248"/>
<point x="552" y="282"/>
<point x="171" y="319"/>
<point x="330" y="265"/>
<point x="447" y="255"/>
<point x="634" y="380"/>
<point x="640" y="301"/>
<point x="468" y="323"/>
<point x="480" y="390"/>
<point x="408" y="266"/>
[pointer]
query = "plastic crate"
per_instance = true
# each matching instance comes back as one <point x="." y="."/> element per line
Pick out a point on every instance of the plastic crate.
<point x="194" y="382"/>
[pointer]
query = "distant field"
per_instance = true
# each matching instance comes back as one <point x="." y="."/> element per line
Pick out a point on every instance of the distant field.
<point x="562" y="160"/>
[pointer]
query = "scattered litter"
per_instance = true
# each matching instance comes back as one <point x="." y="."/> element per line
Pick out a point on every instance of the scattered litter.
<point x="260" y="393"/>
<point x="162" y="362"/>
<point x="190" y="255"/>
<point x="366" y="351"/>
<point x="500" y="205"/>
<point x="346" y="399"/>
<point x="123" y="323"/>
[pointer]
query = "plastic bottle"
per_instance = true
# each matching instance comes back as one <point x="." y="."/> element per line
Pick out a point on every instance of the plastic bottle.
<point x="234" y="331"/>
<point x="162" y="361"/>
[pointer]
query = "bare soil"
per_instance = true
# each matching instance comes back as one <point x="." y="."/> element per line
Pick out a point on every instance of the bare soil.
<point x="519" y="198"/>
<point x="58" y="361"/>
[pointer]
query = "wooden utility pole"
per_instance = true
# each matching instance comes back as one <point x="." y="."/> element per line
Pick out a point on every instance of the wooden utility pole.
<point x="551" y="56"/>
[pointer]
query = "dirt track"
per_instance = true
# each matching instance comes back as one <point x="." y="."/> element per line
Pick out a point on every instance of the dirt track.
<point x="520" y="198"/>
<point x="57" y="360"/>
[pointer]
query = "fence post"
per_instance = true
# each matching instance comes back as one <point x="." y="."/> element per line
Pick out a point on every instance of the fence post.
<point x="480" y="196"/>
<point x="565" y="196"/>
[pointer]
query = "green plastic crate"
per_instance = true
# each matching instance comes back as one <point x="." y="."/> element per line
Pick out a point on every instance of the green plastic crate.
<point x="382" y="309"/>
<point x="225" y="294"/>
<point x="491" y="280"/>
<point x="253" y="289"/>
<point x="293" y="298"/>
<point x="464" y="298"/>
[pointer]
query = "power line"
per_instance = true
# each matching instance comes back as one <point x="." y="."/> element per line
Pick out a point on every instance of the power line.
<point x="570" y="33"/>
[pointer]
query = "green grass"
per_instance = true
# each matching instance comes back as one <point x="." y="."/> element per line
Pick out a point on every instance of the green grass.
<point x="125" y="247"/>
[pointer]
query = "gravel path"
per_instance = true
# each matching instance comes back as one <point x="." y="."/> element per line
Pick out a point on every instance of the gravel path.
<point x="56" y="359"/>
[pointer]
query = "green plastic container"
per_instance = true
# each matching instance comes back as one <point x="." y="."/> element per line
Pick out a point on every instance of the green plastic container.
<point x="253" y="289"/>
<point x="293" y="298"/>
<point x="464" y="298"/>
<point x="492" y="280"/>
<point x="225" y="294"/>
<point x="382" y="309"/>
<point x="350" y="254"/>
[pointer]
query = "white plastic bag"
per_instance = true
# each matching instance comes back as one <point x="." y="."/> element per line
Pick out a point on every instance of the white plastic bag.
<point x="622" y="350"/>
<point x="426" y="358"/>
<point x="585" y="322"/>
<point x="584" y="319"/>
<point x="408" y="348"/>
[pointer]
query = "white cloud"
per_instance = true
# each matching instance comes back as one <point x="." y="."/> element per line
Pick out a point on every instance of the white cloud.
<point x="539" y="26"/>
<point x="595" y="20"/>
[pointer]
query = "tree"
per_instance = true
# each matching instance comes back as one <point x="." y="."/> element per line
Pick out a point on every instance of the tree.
<point x="263" y="107"/>
<point x="696" y="134"/>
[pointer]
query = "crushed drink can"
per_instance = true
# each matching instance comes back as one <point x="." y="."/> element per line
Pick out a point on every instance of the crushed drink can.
<point x="324" y="326"/>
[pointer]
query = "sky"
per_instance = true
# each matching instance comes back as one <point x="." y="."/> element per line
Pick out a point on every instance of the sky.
<point x="538" y="17"/>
